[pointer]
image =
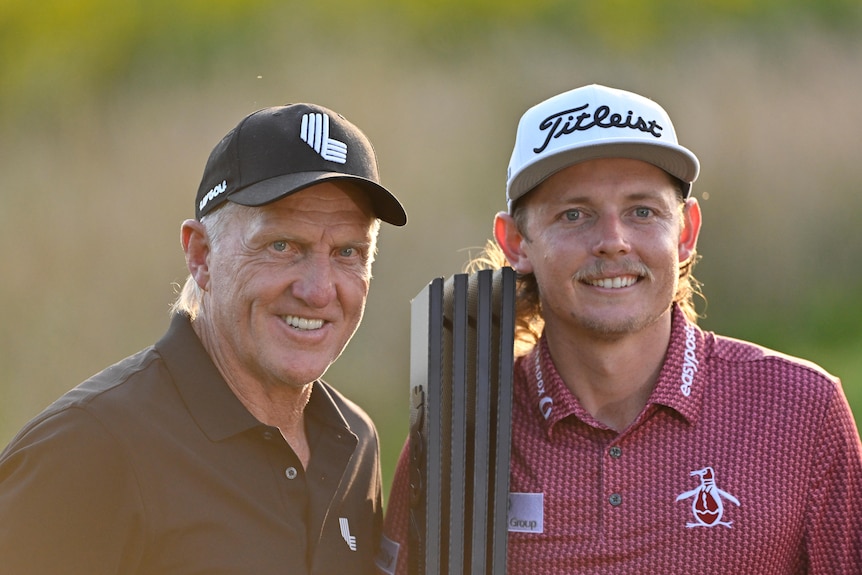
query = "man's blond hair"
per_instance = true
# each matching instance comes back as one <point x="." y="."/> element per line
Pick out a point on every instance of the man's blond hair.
<point x="190" y="295"/>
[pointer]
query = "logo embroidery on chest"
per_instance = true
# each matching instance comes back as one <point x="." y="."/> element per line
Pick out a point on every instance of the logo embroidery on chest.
<point x="707" y="500"/>
<point x="345" y="533"/>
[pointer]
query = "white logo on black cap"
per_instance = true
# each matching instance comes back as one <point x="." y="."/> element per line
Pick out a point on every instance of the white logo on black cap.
<point x="315" y="133"/>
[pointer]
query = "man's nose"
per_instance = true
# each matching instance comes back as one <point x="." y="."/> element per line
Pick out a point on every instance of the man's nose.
<point x="610" y="237"/>
<point x="315" y="285"/>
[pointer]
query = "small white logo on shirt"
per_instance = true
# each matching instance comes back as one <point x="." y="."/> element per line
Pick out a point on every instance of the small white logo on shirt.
<point x="689" y="366"/>
<point x="315" y="133"/>
<point x="387" y="555"/>
<point x="345" y="533"/>
<point x="526" y="512"/>
<point x="707" y="505"/>
<point x="546" y="402"/>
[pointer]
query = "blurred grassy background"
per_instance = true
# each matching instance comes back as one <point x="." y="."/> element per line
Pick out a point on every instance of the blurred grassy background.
<point x="109" y="108"/>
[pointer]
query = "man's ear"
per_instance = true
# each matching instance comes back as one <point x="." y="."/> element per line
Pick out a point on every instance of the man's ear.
<point x="511" y="241"/>
<point x="196" y="246"/>
<point x="691" y="220"/>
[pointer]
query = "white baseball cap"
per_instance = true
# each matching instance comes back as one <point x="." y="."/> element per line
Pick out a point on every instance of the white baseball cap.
<point x="594" y="122"/>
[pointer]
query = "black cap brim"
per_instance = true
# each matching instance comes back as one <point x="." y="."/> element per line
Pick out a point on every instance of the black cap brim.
<point x="385" y="205"/>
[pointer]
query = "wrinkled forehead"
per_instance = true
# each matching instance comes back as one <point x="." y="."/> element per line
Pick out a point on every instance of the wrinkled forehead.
<point x="329" y="201"/>
<point x="343" y="214"/>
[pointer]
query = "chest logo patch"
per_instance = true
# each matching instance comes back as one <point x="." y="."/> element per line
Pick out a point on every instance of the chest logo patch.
<point x="345" y="533"/>
<point x="707" y="504"/>
<point x="526" y="512"/>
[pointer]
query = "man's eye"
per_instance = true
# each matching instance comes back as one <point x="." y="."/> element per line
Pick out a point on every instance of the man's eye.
<point x="279" y="246"/>
<point x="347" y="252"/>
<point x="573" y="215"/>
<point x="643" y="212"/>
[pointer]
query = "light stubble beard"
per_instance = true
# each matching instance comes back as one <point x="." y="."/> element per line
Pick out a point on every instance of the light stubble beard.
<point x="614" y="330"/>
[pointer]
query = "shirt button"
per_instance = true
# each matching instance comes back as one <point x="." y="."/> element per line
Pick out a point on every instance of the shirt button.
<point x="290" y="472"/>
<point x="615" y="499"/>
<point x="616" y="452"/>
<point x="267" y="435"/>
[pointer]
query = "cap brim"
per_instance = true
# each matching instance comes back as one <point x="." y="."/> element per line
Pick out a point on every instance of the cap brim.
<point x="672" y="158"/>
<point x="385" y="205"/>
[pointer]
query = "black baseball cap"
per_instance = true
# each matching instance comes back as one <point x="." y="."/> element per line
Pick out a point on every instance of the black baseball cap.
<point x="278" y="151"/>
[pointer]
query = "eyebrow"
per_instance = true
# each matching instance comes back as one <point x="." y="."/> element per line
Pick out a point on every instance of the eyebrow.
<point x="633" y="196"/>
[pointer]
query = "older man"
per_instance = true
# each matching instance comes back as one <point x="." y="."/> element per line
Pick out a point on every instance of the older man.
<point x="219" y="449"/>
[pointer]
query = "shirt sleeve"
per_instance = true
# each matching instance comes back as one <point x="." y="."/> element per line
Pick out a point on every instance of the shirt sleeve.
<point x="68" y="500"/>
<point x="392" y="556"/>
<point x="833" y="530"/>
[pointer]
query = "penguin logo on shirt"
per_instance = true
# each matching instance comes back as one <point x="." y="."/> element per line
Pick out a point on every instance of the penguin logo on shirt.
<point x="707" y="504"/>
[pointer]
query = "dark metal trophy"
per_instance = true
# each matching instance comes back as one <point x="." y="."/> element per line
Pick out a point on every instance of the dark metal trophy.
<point x="461" y="355"/>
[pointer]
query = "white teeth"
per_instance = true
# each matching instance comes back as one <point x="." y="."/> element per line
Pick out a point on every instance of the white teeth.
<point x="303" y="323"/>
<point x="615" y="283"/>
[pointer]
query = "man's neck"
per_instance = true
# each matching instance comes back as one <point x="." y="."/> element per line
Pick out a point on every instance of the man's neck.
<point x="612" y="379"/>
<point x="272" y="403"/>
<point x="283" y="408"/>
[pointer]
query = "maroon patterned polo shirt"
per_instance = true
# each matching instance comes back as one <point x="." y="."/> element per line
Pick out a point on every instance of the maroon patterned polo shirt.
<point x="743" y="461"/>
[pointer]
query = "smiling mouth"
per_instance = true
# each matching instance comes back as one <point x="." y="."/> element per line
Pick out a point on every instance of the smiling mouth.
<point x="614" y="283"/>
<point x="303" y="324"/>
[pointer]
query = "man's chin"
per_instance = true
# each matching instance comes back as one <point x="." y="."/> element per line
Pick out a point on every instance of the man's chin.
<point x="615" y="329"/>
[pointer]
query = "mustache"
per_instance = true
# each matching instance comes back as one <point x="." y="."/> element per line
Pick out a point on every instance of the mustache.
<point x="604" y="269"/>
